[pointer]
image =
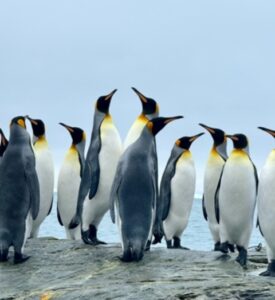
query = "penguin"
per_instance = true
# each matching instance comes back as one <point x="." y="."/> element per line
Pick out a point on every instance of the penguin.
<point x="134" y="191"/>
<point x="216" y="160"/>
<point x="236" y="198"/>
<point x="45" y="173"/>
<point x="3" y="144"/>
<point x="99" y="171"/>
<point x="177" y="190"/>
<point x="69" y="178"/>
<point x="19" y="192"/>
<point x="150" y="110"/>
<point x="266" y="207"/>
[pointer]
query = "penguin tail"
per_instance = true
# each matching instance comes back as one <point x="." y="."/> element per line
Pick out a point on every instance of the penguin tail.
<point x="74" y="222"/>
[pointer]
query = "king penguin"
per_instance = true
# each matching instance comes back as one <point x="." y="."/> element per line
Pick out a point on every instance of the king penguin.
<point x="177" y="190"/>
<point x="69" y="178"/>
<point x="134" y="191"/>
<point x="214" y="166"/>
<point x="19" y="192"/>
<point x="99" y="171"/>
<point x="45" y="173"/>
<point x="236" y="198"/>
<point x="266" y="207"/>
<point x="3" y="144"/>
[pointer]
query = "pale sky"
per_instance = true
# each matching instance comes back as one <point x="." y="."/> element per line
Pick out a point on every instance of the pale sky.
<point x="211" y="61"/>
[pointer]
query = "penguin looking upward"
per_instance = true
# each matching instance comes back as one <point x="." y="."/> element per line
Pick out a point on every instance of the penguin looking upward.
<point x="177" y="190"/>
<point x="99" y="170"/>
<point x="45" y="172"/>
<point x="3" y="144"/>
<point x="214" y="166"/>
<point x="69" y="178"/>
<point x="150" y="110"/>
<point x="266" y="206"/>
<point x="19" y="192"/>
<point x="134" y="191"/>
<point x="236" y="198"/>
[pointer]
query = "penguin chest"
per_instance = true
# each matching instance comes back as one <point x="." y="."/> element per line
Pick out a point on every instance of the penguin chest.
<point x="266" y="200"/>
<point x="182" y="189"/>
<point x="135" y="131"/>
<point x="237" y="194"/>
<point x="68" y="186"/>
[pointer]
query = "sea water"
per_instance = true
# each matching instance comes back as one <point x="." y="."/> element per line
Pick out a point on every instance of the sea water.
<point x="196" y="236"/>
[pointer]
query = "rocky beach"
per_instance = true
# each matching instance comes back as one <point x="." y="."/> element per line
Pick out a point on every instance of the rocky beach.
<point x="63" y="269"/>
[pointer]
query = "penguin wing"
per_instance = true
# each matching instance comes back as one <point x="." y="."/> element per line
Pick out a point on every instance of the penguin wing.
<point x="256" y="175"/>
<point x="33" y="186"/>
<point x="204" y="209"/>
<point x="58" y="217"/>
<point x="217" y="208"/>
<point x="50" y="206"/>
<point x="258" y="225"/>
<point x="114" y="189"/>
<point x="165" y="186"/>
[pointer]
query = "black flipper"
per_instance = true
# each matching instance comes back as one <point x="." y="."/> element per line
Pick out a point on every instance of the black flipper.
<point x="204" y="209"/>
<point x="256" y="176"/>
<point x="50" y="207"/>
<point x="58" y="217"/>
<point x="33" y="185"/>
<point x="217" y="209"/>
<point x="258" y="225"/>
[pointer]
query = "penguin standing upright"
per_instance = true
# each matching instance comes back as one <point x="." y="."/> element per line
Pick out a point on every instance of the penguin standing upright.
<point x="134" y="191"/>
<point x="236" y="198"/>
<point x="45" y="173"/>
<point x="3" y="144"/>
<point x="19" y="192"/>
<point x="100" y="166"/>
<point x="266" y="207"/>
<point x="177" y="190"/>
<point x="69" y="178"/>
<point x="214" y="166"/>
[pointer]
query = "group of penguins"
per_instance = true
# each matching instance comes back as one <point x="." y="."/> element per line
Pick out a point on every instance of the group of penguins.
<point x="123" y="178"/>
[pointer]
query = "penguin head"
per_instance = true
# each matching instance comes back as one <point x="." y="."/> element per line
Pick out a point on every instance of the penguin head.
<point x="270" y="131"/>
<point x="218" y="135"/>
<point x="240" y="141"/>
<point x="77" y="134"/>
<point x="103" y="102"/>
<point x="20" y="121"/>
<point x="149" y="105"/>
<point x="155" y="125"/>
<point x="186" y="141"/>
<point x="4" y="143"/>
<point x="38" y="127"/>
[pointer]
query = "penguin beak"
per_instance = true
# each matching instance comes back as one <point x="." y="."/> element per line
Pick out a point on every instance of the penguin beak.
<point x="209" y="129"/>
<point x="109" y="97"/>
<point x="141" y="97"/>
<point x="70" y="129"/>
<point x="232" y="137"/>
<point x="31" y="120"/>
<point x="272" y="132"/>
<point x="170" y="119"/>
<point x="193" y="138"/>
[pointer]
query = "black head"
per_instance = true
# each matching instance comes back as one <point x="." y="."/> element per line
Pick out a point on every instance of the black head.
<point x="149" y="105"/>
<point x="4" y="143"/>
<point x="103" y="102"/>
<point x="38" y="126"/>
<point x="240" y="141"/>
<point x="156" y="124"/>
<point x="77" y="134"/>
<point x="186" y="141"/>
<point x="218" y="135"/>
<point x="20" y="120"/>
<point x="271" y="132"/>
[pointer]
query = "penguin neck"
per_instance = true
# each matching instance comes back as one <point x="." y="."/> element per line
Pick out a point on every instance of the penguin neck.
<point x="176" y="153"/>
<point x="80" y="147"/>
<point x="147" y="138"/>
<point x="238" y="151"/>
<point x="149" y="117"/>
<point x="143" y="118"/>
<point x="18" y="135"/>
<point x="221" y="150"/>
<point x="39" y="140"/>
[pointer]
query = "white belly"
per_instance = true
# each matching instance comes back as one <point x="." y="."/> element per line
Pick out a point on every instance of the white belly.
<point x="266" y="202"/>
<point x="182" y="196"/>
<point x="237" y="199"/>
<point x="67" y="188"/>
<point x="94" y="209"/>
<point x="134" y="132"/>
<point x="45" y="173"/>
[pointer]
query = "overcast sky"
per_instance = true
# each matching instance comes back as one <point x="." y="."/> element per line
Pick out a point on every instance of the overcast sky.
<point x="211" y="61"/>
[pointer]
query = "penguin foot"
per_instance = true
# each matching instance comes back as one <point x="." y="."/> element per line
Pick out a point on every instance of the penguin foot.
<point x="157" y="238"/>
<point x="270" y="270"/>
<point x="242" y="257"/>
<point x="169" y="244"/>
<point x="148" y="245"/>
<point x="20" y="258"/>
<point x="224" y="247"/>
<point x="231" y="247"/>
<point x="181" y="247"/>
<point x="217" y="246"/>
<point x="92" y="236"/>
